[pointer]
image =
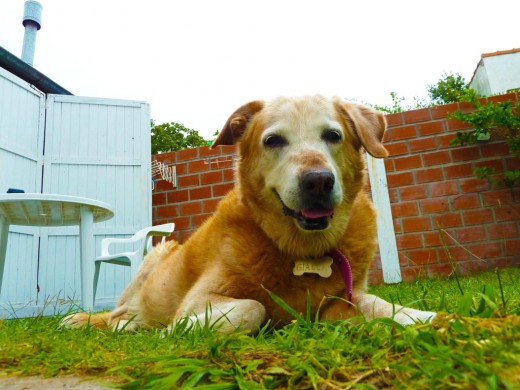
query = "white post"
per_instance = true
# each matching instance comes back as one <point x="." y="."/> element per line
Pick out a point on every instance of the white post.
<point x="385" y="225"/>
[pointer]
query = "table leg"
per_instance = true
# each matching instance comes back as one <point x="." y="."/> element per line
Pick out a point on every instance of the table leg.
<point x="4" y="231"/>
<point x="87" y="246"/>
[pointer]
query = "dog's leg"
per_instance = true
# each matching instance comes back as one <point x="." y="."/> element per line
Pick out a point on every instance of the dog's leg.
<point x="371" y="307"/>
<point x="223" y="313"/>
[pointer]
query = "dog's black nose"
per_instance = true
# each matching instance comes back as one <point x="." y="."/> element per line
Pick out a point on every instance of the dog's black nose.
<point x="317" y="182"/>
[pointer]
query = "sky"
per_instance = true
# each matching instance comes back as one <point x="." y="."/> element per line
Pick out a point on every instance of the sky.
<point x="196" y="61"/>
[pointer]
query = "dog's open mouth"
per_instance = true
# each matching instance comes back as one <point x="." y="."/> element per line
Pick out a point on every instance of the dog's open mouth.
<point x="315" y="217"/>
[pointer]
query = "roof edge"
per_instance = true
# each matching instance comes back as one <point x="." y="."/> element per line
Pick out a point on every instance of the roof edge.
<point x="26" y="72"/>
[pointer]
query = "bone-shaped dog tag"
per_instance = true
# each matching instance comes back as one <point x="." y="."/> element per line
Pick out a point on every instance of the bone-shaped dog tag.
<point x="320" y="266"/>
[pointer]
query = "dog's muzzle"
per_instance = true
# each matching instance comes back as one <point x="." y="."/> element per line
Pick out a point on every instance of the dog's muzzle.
<point x="315" y="198"/>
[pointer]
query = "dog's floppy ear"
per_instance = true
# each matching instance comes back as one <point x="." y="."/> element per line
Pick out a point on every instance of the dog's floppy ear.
<point x="368" y="124"/>
<point x="237" y="123"/>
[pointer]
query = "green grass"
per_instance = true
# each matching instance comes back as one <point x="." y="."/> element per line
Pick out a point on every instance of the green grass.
<point x="474" y="344"/>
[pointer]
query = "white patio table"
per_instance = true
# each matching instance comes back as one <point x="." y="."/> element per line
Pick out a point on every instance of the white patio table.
<point x="33" y="209"/>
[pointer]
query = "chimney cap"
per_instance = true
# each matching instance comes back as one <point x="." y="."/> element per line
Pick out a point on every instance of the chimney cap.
<point x="32" y="13"/>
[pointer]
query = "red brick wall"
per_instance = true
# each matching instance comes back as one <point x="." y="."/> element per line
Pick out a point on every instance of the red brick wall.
<point x="432" y="191"/>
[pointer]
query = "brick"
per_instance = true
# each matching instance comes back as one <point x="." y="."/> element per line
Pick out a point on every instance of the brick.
<point x="506" y="97"/>
<point x="210" y="205"/>
<point x="394" y="119"/>
<point x="465" y="153"/>
<point x="428" y="175"/>
<point x="393" y="194"/>
<point x="167" y="211"/>
<point x="443" y="188"/>
<point x="465" y="201"/>
<point x="444" y="141"/>
<point x="397" y="148"/>
<point x="407" y="162"/>
<point x="413" y="192"/>
<point x="403" y="132"/>
<point x="477" y="216"/>
<point x="404" y="209"/>
<point x="177" y="196"/>
<point x="472" y="184"/>
<point x="423" y="256"/>
<point x="165" y="158"/>
<point x="497" y="197"/>
<point x="414" y="116"/>
<point x="191" y="208"/>
<point x="436" y="158"/>
<point x="422" y="144"/>
<point x="456" y="125"/>
<point x="211" y="177"/>
<point x="389" y="165"/>
<point x="188" y="180"/>
<point x="432" y="238"/>
<point x="399" y="179"/>
<point x="494" y="149"/>
<point x="181" y="169"/>
<point x="458" y="170"/>
<point x="486" y="250"/>
<point x="206" y="151"/>
<point x="200" y="193"/>
<point x="443" y="111"/>
<point x="187" y="154"/>
<point x="512" y="163"/>
<point x="198" y="166"/>
<point x="434" y="205"/>
<point x="457" y="253"/>
<point x="506" y="213"/>
<point x="409" y="241"/>
<point x="229" y="174"/>
<point x="430" y="128"/>
<point x="436" y="270"/>
<point x="159" y="199"/>
<point x="503" y="230"/>
<point x="198" y="220"/>
<point x="497" y="164"/>
<point x="416" y="224"/>
<point x="182" y="223"/>
<point x="161" y="185"/>
<point x="447" y="220"/>
<point x="411" y="274"/>
<point x="470" y="234"/>
<point x="512" y="247"/>
<point x="222" y="189"/>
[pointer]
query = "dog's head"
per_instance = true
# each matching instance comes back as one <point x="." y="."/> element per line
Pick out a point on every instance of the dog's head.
<point x="300" y="164"/>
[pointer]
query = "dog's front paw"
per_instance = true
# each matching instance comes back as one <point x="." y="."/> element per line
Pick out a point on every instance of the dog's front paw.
<point x="408" y="316"/>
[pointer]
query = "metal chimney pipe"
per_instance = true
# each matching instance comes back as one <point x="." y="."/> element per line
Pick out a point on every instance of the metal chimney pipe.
<point x="32" y="17"/>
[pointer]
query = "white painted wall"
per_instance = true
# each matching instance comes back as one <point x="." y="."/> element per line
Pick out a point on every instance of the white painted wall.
<point x="497" y="74"/>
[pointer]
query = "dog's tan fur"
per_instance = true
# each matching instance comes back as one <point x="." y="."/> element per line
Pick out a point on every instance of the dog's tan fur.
<point x="248" y="247"/>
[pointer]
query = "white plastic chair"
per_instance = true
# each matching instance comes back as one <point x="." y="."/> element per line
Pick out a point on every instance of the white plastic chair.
<point x="130" y="259"/>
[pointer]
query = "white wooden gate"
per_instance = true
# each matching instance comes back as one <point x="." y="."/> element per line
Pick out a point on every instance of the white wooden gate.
<point x="22" y="117"/>
<point x="90" y="147"/>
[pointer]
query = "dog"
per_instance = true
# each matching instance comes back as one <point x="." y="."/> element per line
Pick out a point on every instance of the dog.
<point x="298" y="225"/>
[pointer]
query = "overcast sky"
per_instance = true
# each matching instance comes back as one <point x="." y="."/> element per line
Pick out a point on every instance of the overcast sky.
<point x="196" y="61"/>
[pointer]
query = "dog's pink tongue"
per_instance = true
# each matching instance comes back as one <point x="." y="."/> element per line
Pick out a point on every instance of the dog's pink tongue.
<point x="317" y="213"/>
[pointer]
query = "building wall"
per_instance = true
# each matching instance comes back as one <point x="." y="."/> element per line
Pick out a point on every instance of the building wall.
<point x="497" y="73"/>
<point x="433" y="194"/>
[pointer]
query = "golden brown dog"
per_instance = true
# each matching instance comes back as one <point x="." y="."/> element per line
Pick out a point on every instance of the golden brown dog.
<point x="299" y="197"/>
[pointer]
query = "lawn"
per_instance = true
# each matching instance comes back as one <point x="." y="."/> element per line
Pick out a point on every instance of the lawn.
<point x="473" y="343"/>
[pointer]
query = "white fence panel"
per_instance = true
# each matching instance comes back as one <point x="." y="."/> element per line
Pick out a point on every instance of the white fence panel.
<point x="99" y="149"/>
<point x="22" y="115"/>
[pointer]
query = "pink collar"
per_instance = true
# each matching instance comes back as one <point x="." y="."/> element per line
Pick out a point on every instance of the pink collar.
<point x="344" y="267"/>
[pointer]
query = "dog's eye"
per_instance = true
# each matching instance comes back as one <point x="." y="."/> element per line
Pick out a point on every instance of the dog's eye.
<point x="274" y="141"/>
<point x="332" y="136"/>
